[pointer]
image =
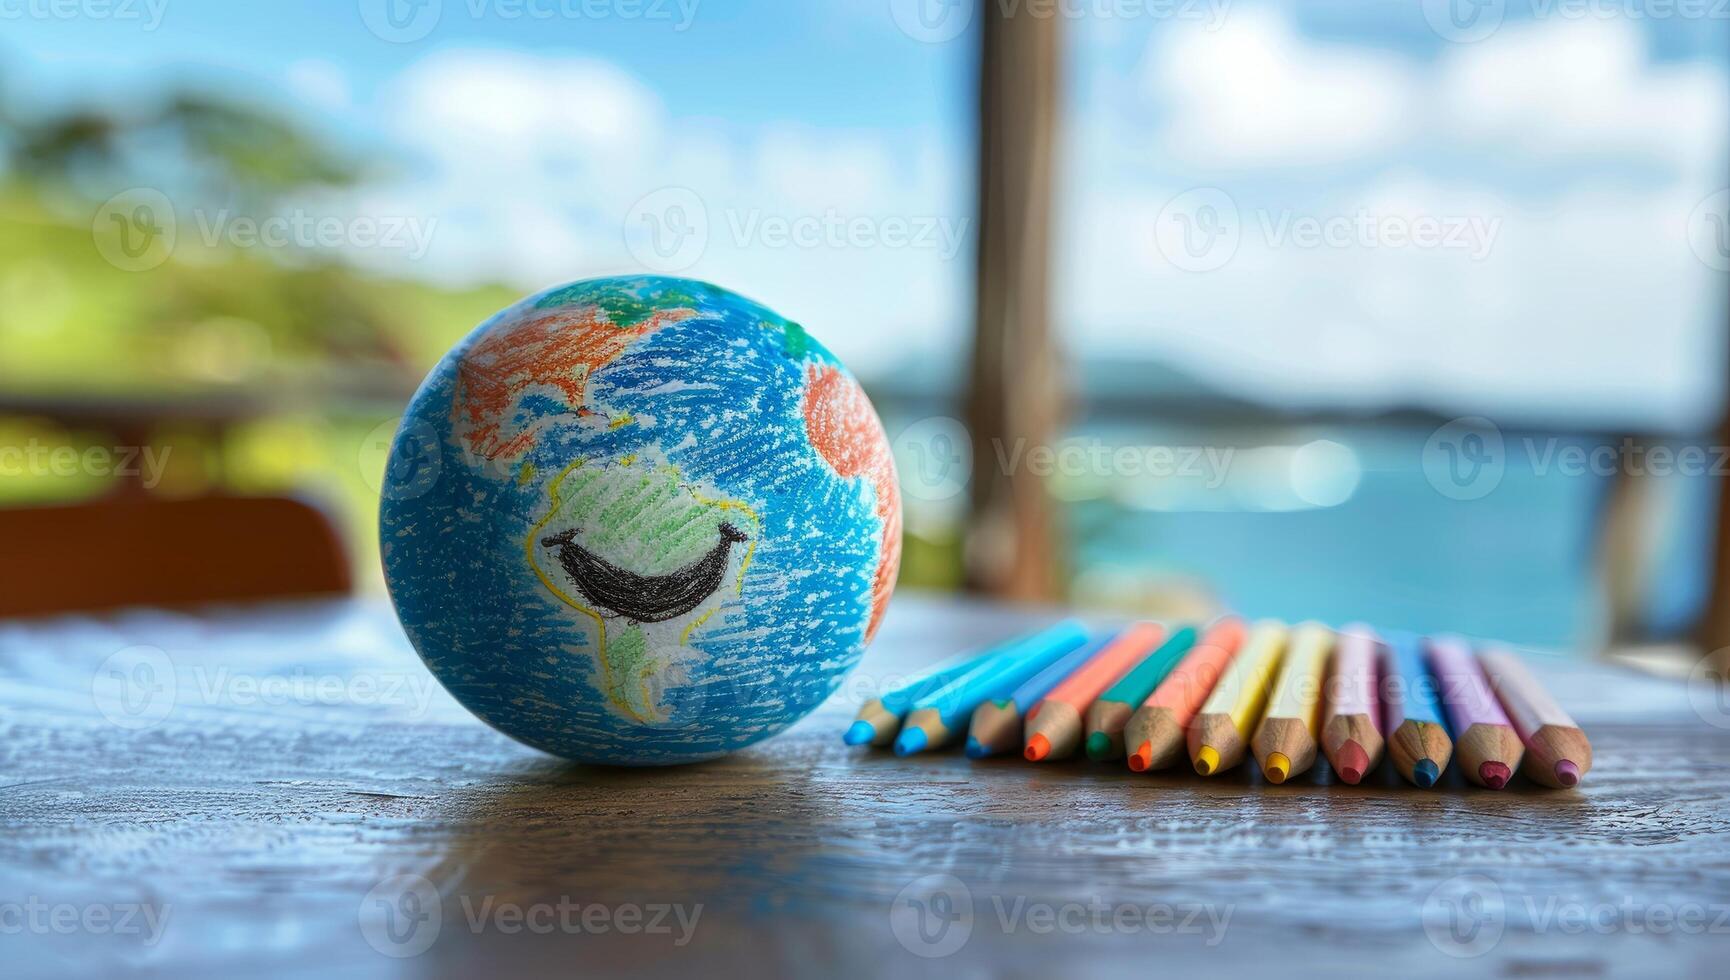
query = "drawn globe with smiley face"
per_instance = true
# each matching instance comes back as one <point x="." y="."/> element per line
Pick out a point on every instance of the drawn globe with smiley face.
<point x="640" y="521"/>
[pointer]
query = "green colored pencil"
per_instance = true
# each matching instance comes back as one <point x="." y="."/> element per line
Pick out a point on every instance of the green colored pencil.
<point x="1107" y="716"/>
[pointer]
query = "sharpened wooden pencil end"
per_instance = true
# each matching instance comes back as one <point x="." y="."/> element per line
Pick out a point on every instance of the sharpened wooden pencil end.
<point x="1494" y="774"/>
<point x="1141" y="758"/>
<point x="1567" y="773"/>
<point x="1276" y="768"/>
<point x="1038" y="747"/>
<point x="1206" y="760"/>
<point x="1353" y="762"/>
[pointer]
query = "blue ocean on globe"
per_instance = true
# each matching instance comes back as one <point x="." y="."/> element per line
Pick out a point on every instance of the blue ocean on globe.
<point x="640" y="521"/>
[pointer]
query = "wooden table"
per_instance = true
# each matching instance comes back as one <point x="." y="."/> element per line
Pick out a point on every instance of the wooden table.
<point x="283" y="789"/>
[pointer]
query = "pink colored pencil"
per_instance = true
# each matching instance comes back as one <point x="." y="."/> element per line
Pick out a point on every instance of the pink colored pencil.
<point x="1351" y="733"/>
<point x="1557" y="752"/>
<point x="1488" y="748"/>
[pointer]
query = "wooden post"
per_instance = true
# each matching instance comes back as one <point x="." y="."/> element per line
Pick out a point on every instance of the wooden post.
<point x="1014" y="395"/>
<point x="1713" y="632"/>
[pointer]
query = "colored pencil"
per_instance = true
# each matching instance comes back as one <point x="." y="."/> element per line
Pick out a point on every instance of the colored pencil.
<point x="1053" y="727"/>
<point x="946" y="710"/>
<point x="1417" y="740"/>
<point x="1557" y="752"/>
<point x="880" y="718"/>
<point x="1285" y="741"/>
<point x="996" y="725"/>
<point x="1155" y="732"/>
<point x="1219" y="733"/>
<point x="1107" y="715"/>
<point x="1485" y="739"/>
<point x="1351" y="726"/>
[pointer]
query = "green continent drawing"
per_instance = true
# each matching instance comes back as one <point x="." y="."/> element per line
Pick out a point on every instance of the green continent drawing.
<point x="646" y="558"/>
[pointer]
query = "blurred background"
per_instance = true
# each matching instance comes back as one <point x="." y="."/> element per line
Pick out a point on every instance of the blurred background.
<point x="1406" y="313"/>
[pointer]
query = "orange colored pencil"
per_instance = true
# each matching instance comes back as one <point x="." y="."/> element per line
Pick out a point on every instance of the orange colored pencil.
<point x="1155" y="732"/>
<point x="1053" y="728"/>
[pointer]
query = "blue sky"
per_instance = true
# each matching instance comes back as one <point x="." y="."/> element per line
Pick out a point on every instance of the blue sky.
<point x="819" y="158"/>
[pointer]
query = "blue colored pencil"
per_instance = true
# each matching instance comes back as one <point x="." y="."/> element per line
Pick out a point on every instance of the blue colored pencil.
<point x="996" y="725"/>
<point x="1418" y="740"/>
<point x="933" y="718"/>
<point x="880" y="718"/>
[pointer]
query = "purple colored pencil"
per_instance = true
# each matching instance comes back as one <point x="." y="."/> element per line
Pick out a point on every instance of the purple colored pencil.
<point x="1488" y="747"/>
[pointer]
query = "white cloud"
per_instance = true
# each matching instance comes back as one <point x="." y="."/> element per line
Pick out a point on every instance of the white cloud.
<point x="1568" y="87"/>
<point x="1590" y="301"/>
<point x="1253" y="91"/>
<point x="531" y="165"/>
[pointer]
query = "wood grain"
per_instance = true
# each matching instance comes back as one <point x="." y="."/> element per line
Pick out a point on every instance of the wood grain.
<point x="263" y="827"/>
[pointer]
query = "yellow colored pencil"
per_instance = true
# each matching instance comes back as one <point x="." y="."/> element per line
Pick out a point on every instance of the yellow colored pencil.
<point x="1285" y="741"/>
<point x="1219" y="734"/>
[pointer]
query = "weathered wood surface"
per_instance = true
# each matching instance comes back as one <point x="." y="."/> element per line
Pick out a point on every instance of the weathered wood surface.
<point x="264" y="821"/>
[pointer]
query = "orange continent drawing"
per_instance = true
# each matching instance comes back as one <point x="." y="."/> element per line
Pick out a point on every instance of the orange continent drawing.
<point x="843" y="428"/>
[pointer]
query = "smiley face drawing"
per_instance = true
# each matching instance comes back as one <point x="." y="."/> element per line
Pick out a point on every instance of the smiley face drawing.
<point x="644" y="557"/>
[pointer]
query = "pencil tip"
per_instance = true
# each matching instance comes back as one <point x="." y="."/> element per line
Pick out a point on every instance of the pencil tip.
<point x="1098" y="746"/>
<point x="975" y="748"/>
<point x="1038" y="747"/>
<point x="1206" y="760"/>
<point x="859" y="733"/>
<point x="1425" y="773"/>
<point x="1567" y="773"/>
<point x="1142" y="757"/>
<point x="1277" y="767"/>
<point x="1494" y="774"/>
<point x="910" y="740"/>
<point x="1353" y="761"/>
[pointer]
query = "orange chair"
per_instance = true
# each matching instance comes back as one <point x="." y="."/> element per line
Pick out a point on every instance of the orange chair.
<point x="138" y="550"/>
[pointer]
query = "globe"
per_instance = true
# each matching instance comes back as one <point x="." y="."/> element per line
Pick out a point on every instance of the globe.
<point x="640" y="521"/>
